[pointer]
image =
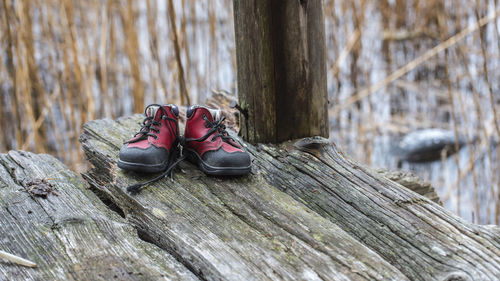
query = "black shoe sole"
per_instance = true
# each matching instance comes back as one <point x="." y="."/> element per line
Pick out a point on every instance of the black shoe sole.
<point x="142" y="168"/>
<point x="193" y="157"/>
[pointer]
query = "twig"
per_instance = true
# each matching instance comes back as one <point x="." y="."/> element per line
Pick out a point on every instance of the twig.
<point x="17" y="260"/>
<point x="353" y="39"/>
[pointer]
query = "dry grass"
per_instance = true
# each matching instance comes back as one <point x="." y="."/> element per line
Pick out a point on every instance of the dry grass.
<point x="393" y="67"/>
<point x="428" y="64"/>
<point x="67" y="62"/>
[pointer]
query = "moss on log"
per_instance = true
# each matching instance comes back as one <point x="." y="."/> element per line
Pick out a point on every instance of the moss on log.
<point x="306" y="212"/>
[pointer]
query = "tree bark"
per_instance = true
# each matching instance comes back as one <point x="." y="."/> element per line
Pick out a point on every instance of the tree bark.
<point x="36" y="89"/>
<point x="280" y="50"/>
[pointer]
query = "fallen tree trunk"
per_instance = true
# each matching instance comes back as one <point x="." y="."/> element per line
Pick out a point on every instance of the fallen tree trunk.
<point x="306" y="212"/>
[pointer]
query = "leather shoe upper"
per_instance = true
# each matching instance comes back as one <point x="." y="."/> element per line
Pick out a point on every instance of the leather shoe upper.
<point x="158" y="133"/>
<point x="206" y="135"/>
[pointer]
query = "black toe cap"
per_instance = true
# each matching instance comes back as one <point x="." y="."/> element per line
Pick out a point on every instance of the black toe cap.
<point x="222" y="158"/>
<point x="151" y="156"/>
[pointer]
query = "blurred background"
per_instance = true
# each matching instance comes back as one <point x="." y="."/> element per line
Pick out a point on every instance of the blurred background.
<point x="395" y="68"/>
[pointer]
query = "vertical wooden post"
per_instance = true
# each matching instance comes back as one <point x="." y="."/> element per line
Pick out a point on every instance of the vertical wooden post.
<point x="280" y="49"/>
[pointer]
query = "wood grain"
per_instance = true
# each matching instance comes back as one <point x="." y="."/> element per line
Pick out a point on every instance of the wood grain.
<point x="72" y="235"/>
<point x="307" y="212"/>
<point x="281" y="65"/>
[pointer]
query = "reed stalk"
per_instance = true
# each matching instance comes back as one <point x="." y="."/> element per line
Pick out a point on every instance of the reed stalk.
<point x="175" y="41"/>
<point x="7" y="22"/>
<point x="416" y="62"/>
<point x="127" y="16"/>
<point x="103" y="63"/>
<point x="493" y="103"/>
<point x="454" y="119"/>
<point x="36" y="90"/>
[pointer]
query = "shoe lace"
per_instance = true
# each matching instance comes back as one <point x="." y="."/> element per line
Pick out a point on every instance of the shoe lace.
<point x="217" y="127"/>
<point x="148" y="125"/>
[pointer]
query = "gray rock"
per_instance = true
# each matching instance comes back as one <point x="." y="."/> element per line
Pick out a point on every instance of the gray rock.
<point x="428" y="144"/>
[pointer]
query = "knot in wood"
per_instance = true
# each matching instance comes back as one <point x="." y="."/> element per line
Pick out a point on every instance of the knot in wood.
<point x="314" y="145"/>
<point x="457" y="276"/>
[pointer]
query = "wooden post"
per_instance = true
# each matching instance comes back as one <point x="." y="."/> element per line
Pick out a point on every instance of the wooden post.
<point x="280" y="50"/>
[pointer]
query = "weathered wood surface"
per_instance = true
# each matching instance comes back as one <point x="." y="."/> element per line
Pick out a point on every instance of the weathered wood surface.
<point x="71" y="235"/>
<point x="306" y="212"/>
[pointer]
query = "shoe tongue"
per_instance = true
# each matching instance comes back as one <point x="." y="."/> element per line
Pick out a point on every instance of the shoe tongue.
<point x="151" y="111"/>
<point x="216" y="113"/>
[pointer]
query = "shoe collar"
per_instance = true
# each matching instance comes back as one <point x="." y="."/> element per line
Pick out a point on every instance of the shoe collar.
<point x="215" y="114"/>
<point x="152" y="110"/>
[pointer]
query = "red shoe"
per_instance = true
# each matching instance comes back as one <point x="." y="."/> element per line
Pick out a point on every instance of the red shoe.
<point x="155" y="146"/>
<point x="208" y="145"/>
